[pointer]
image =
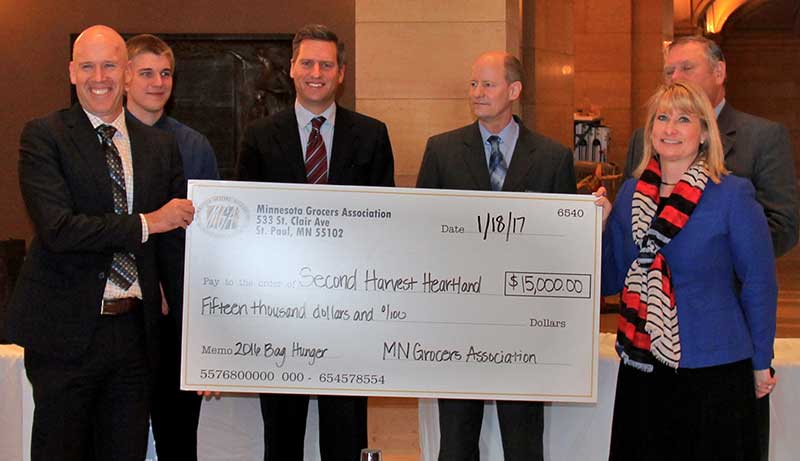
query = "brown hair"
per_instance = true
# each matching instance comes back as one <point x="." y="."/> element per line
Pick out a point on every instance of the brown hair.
<point x="318" y="32"/>
<point x="513" y="67"/>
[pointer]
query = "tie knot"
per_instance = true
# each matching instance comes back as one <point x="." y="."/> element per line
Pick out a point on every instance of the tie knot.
<point x="106" y="132"/>
<point x="494" y="140"/>
<point x="317" y="122"/>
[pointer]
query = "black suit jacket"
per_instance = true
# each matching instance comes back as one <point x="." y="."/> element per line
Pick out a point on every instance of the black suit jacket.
<point x="457" y="160"/>
<point x="67" y="190"/>
<point x="362" y="154"/>
<point x="760" y="150"/>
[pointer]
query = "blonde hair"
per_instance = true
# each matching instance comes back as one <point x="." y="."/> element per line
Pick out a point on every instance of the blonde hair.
<point x="687" y="98"/>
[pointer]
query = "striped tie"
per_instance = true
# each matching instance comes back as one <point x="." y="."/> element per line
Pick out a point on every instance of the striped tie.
<point x="497" y="164"/>
<point x="123" y="266"/>
<point x="316" y="155"/>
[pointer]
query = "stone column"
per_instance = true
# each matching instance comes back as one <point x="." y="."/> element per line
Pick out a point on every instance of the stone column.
<point x="548" y="57"/>
<point x="414" y="62"/>
<point x="652" y="29"/>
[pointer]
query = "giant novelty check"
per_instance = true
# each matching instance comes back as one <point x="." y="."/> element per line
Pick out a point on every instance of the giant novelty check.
<point x="391" y="292"/>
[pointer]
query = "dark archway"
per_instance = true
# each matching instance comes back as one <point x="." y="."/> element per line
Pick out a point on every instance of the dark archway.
<point x="761" y="42"/>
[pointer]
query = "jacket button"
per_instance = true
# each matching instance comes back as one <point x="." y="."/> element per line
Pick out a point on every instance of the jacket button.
<point x="101" y="275"/>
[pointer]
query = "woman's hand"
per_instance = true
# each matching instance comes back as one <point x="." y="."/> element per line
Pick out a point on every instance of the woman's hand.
<point x="765" y="382"/>
<point x="603" y="201"/>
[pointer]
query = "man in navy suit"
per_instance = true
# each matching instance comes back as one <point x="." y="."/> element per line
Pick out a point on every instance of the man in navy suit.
<point x="755" y="148"/>
<point x="175" y="414"/>
<point x="104" y="194"/>
<point x="317" y="142"/>
<point x="465" y="158"/>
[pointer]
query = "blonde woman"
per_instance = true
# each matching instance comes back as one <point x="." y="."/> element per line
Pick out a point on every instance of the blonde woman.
<point x="689" y="248"/>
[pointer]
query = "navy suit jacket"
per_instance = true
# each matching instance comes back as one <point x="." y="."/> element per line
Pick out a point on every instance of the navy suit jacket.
<point x="759" y="150"/>
<point x="67" y="191"/>
<point x="362" y="154"/>
<point x="457" y="160"/>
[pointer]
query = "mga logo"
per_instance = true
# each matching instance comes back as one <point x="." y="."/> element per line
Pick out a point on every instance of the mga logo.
<point x="222" y="216"/>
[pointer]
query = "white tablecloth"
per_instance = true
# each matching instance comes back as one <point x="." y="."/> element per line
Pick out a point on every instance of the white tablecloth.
<point x="231" y="428"/>
<point x="16" y="406"/>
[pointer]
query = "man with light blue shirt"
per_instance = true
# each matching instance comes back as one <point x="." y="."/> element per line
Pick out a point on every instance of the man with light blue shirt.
<point x="497" y="153"/>
<point x="316" y="141"/>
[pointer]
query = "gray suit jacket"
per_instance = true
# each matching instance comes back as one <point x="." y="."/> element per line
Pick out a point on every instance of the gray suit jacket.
<point x="457" y="160"/>
<point x="760" y="150"/>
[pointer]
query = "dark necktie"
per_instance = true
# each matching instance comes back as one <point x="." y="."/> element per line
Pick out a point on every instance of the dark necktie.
<point x="316" y="155"/>
<point x="123" y="266"/>
<point x="497" y="164"/>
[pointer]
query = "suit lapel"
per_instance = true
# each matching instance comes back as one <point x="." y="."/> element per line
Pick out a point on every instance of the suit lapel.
<point x="139" y="147"/>
<point x="475" y="158"/>
<point x="727" y="128"/>
<point x="88" y="147"/>
<point x="345" y="140"/>
<point x="522" y="161"/>
<point x="288" y="138"/>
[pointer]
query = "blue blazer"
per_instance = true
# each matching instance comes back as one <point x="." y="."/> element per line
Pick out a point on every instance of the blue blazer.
<point x="723" y="272"/>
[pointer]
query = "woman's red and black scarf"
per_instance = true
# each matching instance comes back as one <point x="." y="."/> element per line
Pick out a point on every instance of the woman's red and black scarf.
<point x="648" y="321"/>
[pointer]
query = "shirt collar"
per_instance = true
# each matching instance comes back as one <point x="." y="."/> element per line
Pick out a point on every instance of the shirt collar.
<point x="304" y="115"/>
<point x="719" y="107"/>
<point x="118" y="123"/>
<point x="506" y="134"/>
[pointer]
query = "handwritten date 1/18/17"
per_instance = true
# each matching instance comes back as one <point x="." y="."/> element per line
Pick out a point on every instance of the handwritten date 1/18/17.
<point x="503" y="224"/>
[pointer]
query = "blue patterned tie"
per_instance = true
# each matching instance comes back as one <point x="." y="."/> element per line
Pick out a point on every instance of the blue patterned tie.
<point x="497" y="164"/>
<point x="123" y="266"/>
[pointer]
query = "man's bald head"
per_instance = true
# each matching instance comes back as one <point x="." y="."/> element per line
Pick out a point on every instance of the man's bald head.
<point x="96" y="34"/>
<point x="97" y="69"/>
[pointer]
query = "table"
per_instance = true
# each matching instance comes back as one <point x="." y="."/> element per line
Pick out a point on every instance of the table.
<point x="16" y="405"/>
<point x="231" y="427"/>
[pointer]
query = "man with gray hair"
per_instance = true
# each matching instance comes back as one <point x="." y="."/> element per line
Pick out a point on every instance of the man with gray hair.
<point x="755" y="148"/>
<point x="496" y="153"/>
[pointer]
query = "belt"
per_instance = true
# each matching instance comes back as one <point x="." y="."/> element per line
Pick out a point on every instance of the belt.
<point x="120" y="306"/>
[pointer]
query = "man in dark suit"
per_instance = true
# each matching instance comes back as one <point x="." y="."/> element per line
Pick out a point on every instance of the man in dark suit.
<point x="175" y="414"/>
<point x="755" y="148"/>
<point x="495" y="153"/>
<point x="103" y="192"/>
<point x="316" y="142"/>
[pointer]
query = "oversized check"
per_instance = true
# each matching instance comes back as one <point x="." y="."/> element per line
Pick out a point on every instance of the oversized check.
<point x="391" y="292"/>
